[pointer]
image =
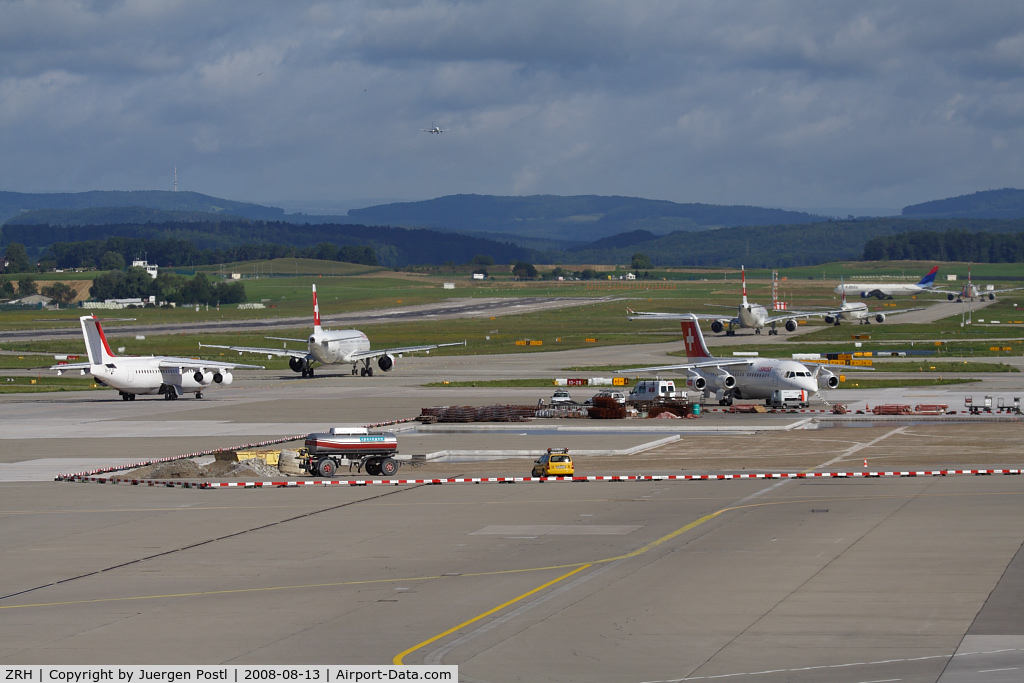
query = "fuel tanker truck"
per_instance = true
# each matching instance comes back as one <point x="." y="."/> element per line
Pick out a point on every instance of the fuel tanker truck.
<point x="371" y="451"/>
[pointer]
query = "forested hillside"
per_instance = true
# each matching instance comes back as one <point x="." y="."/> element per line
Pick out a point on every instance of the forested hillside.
<point x="952" y="245"/>
<point x="1006" y="204"/>
<point x="14" y="203"/>
<point x="581" y="218"/>
<point x="393" y="246"/>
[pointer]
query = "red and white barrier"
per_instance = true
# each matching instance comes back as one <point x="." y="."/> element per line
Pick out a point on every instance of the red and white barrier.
<point x="533" y="480"/>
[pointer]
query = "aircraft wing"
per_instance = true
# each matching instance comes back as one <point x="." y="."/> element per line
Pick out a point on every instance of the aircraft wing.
<point x="300" y="341"/>
<point x="363" y="355"/>
<point x="642" y="315"/>
<point x="286" y="353"/>
<point x="71" y="366"/>
<point x="792" y="315"/>
<point x="171" y="362"/>
<point x="717" y="363"/>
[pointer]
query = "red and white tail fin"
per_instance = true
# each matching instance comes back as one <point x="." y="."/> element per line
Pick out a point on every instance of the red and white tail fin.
<point x="95" y="341"/>
<point x="696" y="349"/>
<point x="842" y="290"/>
<point x="316" y="313"/>
<point x="743" y="279"/>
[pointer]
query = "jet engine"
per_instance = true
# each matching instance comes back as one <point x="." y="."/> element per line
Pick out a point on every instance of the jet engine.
<point x="224" y="379"/>
<point x="950" y="297"/>
<point x="991" y="296"/>
<point x="717" y="327"/>
<point x="696" y="382"/>
<point x="827" y="380"/>
<point x="386" y="362"/>
<point x="880" y="318"/>
<point x="722" y="381"/>
<point x="202" y="377"/>
<point x="830" y="320"/>
<point x="790" y="325"/>
<point x="296" y="364"/>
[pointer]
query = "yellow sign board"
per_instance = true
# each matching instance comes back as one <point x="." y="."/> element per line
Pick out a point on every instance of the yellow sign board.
<point x="536" y="342"/>
<point x="619" y="381"/>
<point x="521" y="342"/>
<point x="591" y="340"/>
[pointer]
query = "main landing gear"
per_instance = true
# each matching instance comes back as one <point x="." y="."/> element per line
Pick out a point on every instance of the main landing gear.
<point x="127" y="397"/>
<point x="366" y="370"/>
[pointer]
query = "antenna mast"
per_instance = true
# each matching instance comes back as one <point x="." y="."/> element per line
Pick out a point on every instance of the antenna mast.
<point x="175" y="178"/>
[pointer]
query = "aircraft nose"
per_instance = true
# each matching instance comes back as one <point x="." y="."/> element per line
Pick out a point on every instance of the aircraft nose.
<point x="808" y="384"/>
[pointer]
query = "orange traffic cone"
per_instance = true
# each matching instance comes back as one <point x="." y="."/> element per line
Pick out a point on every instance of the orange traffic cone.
<point x="865" y="462"/>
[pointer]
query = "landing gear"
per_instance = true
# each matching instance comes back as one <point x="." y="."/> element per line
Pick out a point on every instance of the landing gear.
<point x="170" y="395"/>
<point x="199" y="394"/>
<point x="366" y="370"/>
<point x="126" y="397"/>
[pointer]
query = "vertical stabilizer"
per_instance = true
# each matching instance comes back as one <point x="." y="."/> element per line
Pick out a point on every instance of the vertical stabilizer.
<point x="929" y="279"/>
<point x="316" y="313"/>
<point x="842" y="288"/>
<point x="95" y="341"/>
<point x="696" y="349"/>
<point x="743" y="279"/>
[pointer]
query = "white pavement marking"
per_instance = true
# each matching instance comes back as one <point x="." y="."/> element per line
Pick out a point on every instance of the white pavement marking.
<point x="858" y="447"/>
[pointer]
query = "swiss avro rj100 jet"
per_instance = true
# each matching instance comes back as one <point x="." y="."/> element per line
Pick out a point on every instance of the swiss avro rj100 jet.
<point x="333" y="347"/>
<point x="745" y="378"/>
<point x="133" y="375"/>
<point x="753" y="316"/>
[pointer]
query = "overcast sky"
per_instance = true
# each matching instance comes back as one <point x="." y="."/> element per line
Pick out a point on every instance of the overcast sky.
<point x="795" y="104"/>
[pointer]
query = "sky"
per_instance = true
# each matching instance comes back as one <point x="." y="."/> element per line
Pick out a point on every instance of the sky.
<point x="860" y="105"/>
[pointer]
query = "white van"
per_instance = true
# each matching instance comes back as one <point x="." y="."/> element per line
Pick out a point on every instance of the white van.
<point x="652" y="390"/>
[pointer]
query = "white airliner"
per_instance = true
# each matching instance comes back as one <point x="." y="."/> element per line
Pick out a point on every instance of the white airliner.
<point x="748" y="315"/>
<point x="133" y="375"/>
<point x="730" y="378"/>
<point x="333" y="347"/>
<point x="858" y="311"/>
<point x="971" y="292"/>
<point x="887" y="290"/>
<point x="433" y="129"/>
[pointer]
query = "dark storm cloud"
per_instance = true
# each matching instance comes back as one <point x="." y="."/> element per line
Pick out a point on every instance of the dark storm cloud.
<point x="778" y="103"/>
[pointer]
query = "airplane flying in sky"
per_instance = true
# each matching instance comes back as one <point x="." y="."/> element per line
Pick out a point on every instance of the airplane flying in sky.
<point x="331" y="347"/>
<point x="730" y="378"/>
<point x="748" y="315"/>
<point x="858" y="310"/>
<point x="887" y="290"/>
<point x="433" y="129"/>
<point x="133" y="375"/>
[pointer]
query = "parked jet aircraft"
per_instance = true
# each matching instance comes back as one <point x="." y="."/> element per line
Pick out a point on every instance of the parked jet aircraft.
<point x="754" y="316"/>
<point x="730" y="378"/>
<point x="133" y="375"/>
<point x="858" y="310"/>
<point x="333" y="347"/>
<point x="888" y="290"/>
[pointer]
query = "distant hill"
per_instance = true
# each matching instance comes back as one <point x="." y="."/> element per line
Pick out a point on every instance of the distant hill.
<point x="394" y="246"/>
<point x="582" y="218"/>
<point x="776" y="246"/>
<point x="14" y="203"/>
<point x="1007" y="203"/>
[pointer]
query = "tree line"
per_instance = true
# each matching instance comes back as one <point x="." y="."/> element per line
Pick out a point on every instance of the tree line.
<point x="115" y="252"/>
<point x="178" y="289"/>
<point x="951" y="245"/>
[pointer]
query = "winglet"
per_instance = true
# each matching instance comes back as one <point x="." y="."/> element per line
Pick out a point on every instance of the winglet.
<point x="696" y="349"/>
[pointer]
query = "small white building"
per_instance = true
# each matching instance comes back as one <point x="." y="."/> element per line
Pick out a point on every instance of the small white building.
<point x="630" y="276"/>
<point x="151" y="269"/>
